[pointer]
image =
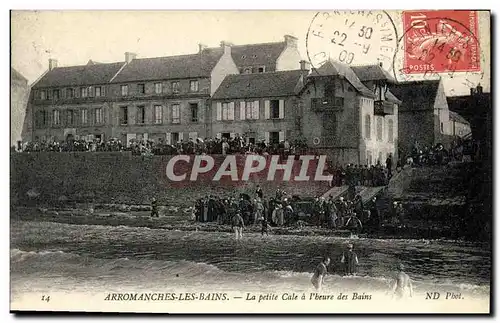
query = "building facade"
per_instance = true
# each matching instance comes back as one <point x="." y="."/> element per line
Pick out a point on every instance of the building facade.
<point x="350" y="116"/>
<point x="19" y="94"/>
<point x="164" y="98"/>
<point x="424" y="117"/>
<point x="258" y="107"/>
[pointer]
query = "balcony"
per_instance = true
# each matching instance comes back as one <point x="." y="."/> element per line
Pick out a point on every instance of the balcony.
<point x="382" y="108"/>
<point x="327" y="104"/>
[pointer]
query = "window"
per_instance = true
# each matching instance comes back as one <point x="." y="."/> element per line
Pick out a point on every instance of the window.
<point x="158" y="88"/>
<point x="380" y="128"/>
<point x="158" y="114"/>
<point x="176" y="113"/>
<point x="84" y="92"/>
<point x="225" y="111"/>
<point x="175" y="87"/>
<point x="442" y="127"/>
<point x="141" y="88"/>
<point x="274" y="137"/>
<point x="43" y="95"/>
<point x="251" y="111"/>
<point x="41" y="119"/>
<point x="55" y="94"/>
<point x="97" y="91"/>
<point x="84" y="116"/>
<point x="262" y="69"/>
<point x="123" y="115"/>
<point x="70" y="93"/>
<point x="57" y="117"/>
<point x="193" y="86"/>
<point x="141" y="114"/>
<point x="275" y="109"/>
<point x="98" y="115"/>
<point x="368" y="127"/>
<point x="70" y="114"/>
<point x="390" y="130"/>
<point x="193" y="107"/>
<point x="175" y="137"/>
<point x="124" y="90"/>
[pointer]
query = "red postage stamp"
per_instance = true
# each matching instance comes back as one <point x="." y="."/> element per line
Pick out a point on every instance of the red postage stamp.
<point x="440" y="41"/>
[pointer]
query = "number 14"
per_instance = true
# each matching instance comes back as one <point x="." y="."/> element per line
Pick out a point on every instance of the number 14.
<point x="45" y="298"/>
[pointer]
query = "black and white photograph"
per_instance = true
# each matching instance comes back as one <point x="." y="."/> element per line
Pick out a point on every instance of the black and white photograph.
<point x="251" y="162"/>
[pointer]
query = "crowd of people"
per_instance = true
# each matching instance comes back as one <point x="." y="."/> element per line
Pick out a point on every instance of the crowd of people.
<point x="234" y="145"/>
<point x="283" y="210"/>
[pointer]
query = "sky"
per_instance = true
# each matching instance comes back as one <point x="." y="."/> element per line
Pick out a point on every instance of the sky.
<point x="75" y="37"/>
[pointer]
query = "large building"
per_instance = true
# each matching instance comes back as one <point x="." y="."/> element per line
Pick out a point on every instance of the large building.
<point x="19" y="94"/>
<point x="350" y="113"/>
<point x="164" y="98"/>
<point x="424" y="117"/>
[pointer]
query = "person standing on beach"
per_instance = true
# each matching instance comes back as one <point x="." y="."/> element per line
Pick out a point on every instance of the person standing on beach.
<point x="320" y="273"/>
<point x="238" y="225"/>
<point x="350" y="261"/>
<point x="154" y="208"/>
<point x="402" y="284"/>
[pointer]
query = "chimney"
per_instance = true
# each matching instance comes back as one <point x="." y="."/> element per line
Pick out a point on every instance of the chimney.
<point x="201" y="47"/>
<point x="130" y="56"/>
<point x="380" y="64"/>
<point x="304" y="66"/>
<point x="52" y="64"/>
<point x="226" y="46"/>
<point x="291" y="41"/>
<point x="472" y="91"/>
<point x="479" y="89"/>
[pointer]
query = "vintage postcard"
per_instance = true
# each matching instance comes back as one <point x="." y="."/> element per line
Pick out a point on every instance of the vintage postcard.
<point x="251" y="161"/>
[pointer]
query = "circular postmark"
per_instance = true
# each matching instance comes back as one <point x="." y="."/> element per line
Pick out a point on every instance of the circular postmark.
<point x="355" y="37"/>
<point x="439" y="43"/>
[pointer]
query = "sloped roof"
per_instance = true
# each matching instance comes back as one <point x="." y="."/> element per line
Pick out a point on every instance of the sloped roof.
<point x="389" y="96"/>
<point x="258" y="85"/>
<point x="372" y="73"/>
<point x="331" y="68"/>
<point x="416" y="95"/>
<point x="457" y="118"/>
<point x="15" y="75"/>
<point x="257" y="54"/>
<point x="79" y="75"/>
<point x="171" y="67"/>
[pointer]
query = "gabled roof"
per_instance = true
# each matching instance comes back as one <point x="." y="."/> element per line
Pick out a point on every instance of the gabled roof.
<point x="417" y="95"/>
<point x="257" y="54"/>
<point x="457" y="118"/>
<point x="258" y="85"/>
<point x="15" y="75"/>
<point x="79" y="75"/>
<point x="372" y="73"/>
<point x="171" y="67"/>
<point x="332" y="68"/>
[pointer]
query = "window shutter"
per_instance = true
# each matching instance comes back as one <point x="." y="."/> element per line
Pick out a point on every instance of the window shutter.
<point x="91" y="91"/>
<point x="169" y="138"/>
<point x="282" y="109"/>
<point x="255" y="112"/>
<point x="103" y="90"/>
<point x="242" y="110"/>
<point x="230" y="113"/>
<point x="266" y="136"/>
<point x="267" y="109"/>
<point x="282" y="136"/>
<point x="219" y="111"/>
<point x="181" y="136"/>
